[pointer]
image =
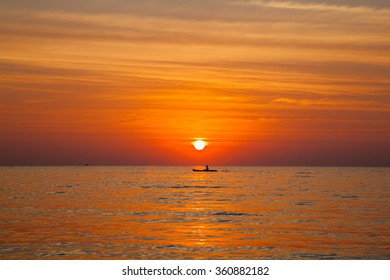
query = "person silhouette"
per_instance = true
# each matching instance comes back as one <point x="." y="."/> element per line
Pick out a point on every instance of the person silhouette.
<point x="207" y="167"/>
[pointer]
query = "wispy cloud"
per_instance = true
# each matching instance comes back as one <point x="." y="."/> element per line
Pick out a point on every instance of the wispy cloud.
<point x="313" y="6"/>
<point x="305" y="102"/>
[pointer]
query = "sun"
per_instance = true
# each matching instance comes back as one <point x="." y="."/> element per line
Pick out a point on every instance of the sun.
<point x="199" y="144"/>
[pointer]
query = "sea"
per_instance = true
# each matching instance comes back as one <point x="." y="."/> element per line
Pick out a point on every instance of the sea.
<point x="154" y="212"/>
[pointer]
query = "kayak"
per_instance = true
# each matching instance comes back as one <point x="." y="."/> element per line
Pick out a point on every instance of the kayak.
<point x="204" y="170"/>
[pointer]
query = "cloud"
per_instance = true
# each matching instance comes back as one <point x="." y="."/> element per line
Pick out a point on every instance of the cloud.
<point x="314" y="6"/>
<point x="309" y="33"/>
<point x="305" y="102"/>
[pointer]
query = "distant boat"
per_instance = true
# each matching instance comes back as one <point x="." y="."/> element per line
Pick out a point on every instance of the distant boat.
<point x="204" y="170"/>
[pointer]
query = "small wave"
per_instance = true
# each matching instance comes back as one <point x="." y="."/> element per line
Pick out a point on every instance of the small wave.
<point x="223" y="221"/>
<point x="61" y="253"/>
<point x="305" y="203"/>
<point x="54" y="254"/>
<point x="57" y="192"/>
<point x="139" y="213"/>
<point x="349" y="196"/>
<point x="308" y="221"/>
<point x="226" y="213"/>
<point x="18" y="197"/>
<point x="8" y="249"/>
<point x="346" y="196"/>
<point x="16" y="221"/>
<point x="170" y="246"/>
<point x="182" y="187"/>
<point x="195" y="187"/>
<point x="317" y="256"/>
<point x="64" y="244"/>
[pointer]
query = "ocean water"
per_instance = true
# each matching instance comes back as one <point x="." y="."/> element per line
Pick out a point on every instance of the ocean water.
<point x="174" y="213"/>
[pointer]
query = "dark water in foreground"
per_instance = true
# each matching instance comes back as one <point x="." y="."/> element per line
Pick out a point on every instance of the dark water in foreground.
<point x="174" y="213"/>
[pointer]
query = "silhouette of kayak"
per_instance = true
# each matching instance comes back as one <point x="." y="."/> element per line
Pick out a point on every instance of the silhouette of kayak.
<point x="204" y="170"/>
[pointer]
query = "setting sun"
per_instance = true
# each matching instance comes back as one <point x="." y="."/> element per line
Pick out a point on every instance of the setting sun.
<point x="199" y="144"/>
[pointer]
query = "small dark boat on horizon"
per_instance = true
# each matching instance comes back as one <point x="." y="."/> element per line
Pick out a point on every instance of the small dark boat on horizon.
<point x="204" y="170"/>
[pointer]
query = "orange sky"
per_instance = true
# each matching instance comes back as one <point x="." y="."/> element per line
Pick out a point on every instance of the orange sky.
<point x="135" y="82"/>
